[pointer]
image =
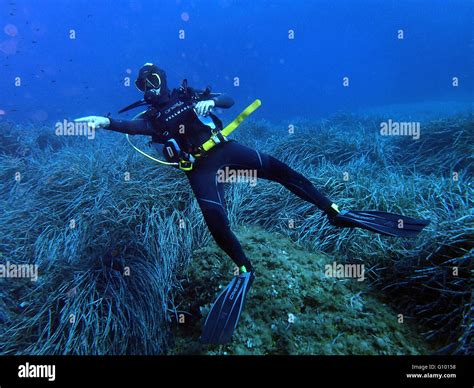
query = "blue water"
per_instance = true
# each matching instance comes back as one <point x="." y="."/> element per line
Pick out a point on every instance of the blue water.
<point x="300" y="77"/>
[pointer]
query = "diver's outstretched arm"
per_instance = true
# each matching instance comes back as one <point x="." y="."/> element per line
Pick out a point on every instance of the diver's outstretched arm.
<point x="132" y="127"/>
<point x="94" y="121"/>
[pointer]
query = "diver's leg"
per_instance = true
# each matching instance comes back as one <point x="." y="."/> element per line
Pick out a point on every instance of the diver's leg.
<point x="268" y="167"/>
<point x="210" y="196"/>
<point x="277" y="171"/>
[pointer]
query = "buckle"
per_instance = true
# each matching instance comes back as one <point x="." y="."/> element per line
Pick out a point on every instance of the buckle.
<point x="185" y="165"/>
<point x="218" y="138"/>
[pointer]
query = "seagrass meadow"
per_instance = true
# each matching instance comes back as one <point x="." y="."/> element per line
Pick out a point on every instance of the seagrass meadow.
<point x="127" y="265"/>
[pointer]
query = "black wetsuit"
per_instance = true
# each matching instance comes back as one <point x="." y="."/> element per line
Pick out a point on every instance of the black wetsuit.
<point x="176" y="119"/>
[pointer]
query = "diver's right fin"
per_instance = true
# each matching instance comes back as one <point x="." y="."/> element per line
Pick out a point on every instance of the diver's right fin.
<point x="387" y="224"/>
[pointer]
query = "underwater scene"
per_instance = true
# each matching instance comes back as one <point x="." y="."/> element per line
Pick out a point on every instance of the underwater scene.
<point x="223" y="177"/>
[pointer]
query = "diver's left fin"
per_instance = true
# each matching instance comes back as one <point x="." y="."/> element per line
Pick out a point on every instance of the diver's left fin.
<point x="225" y="312"/>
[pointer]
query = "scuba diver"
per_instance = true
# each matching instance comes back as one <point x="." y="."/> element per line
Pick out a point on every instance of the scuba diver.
<point x="182" y="126"/>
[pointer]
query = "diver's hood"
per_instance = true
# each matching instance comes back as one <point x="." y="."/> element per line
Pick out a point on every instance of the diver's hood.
<point x="150" y="76"/>
<point x="152" y="82"/>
